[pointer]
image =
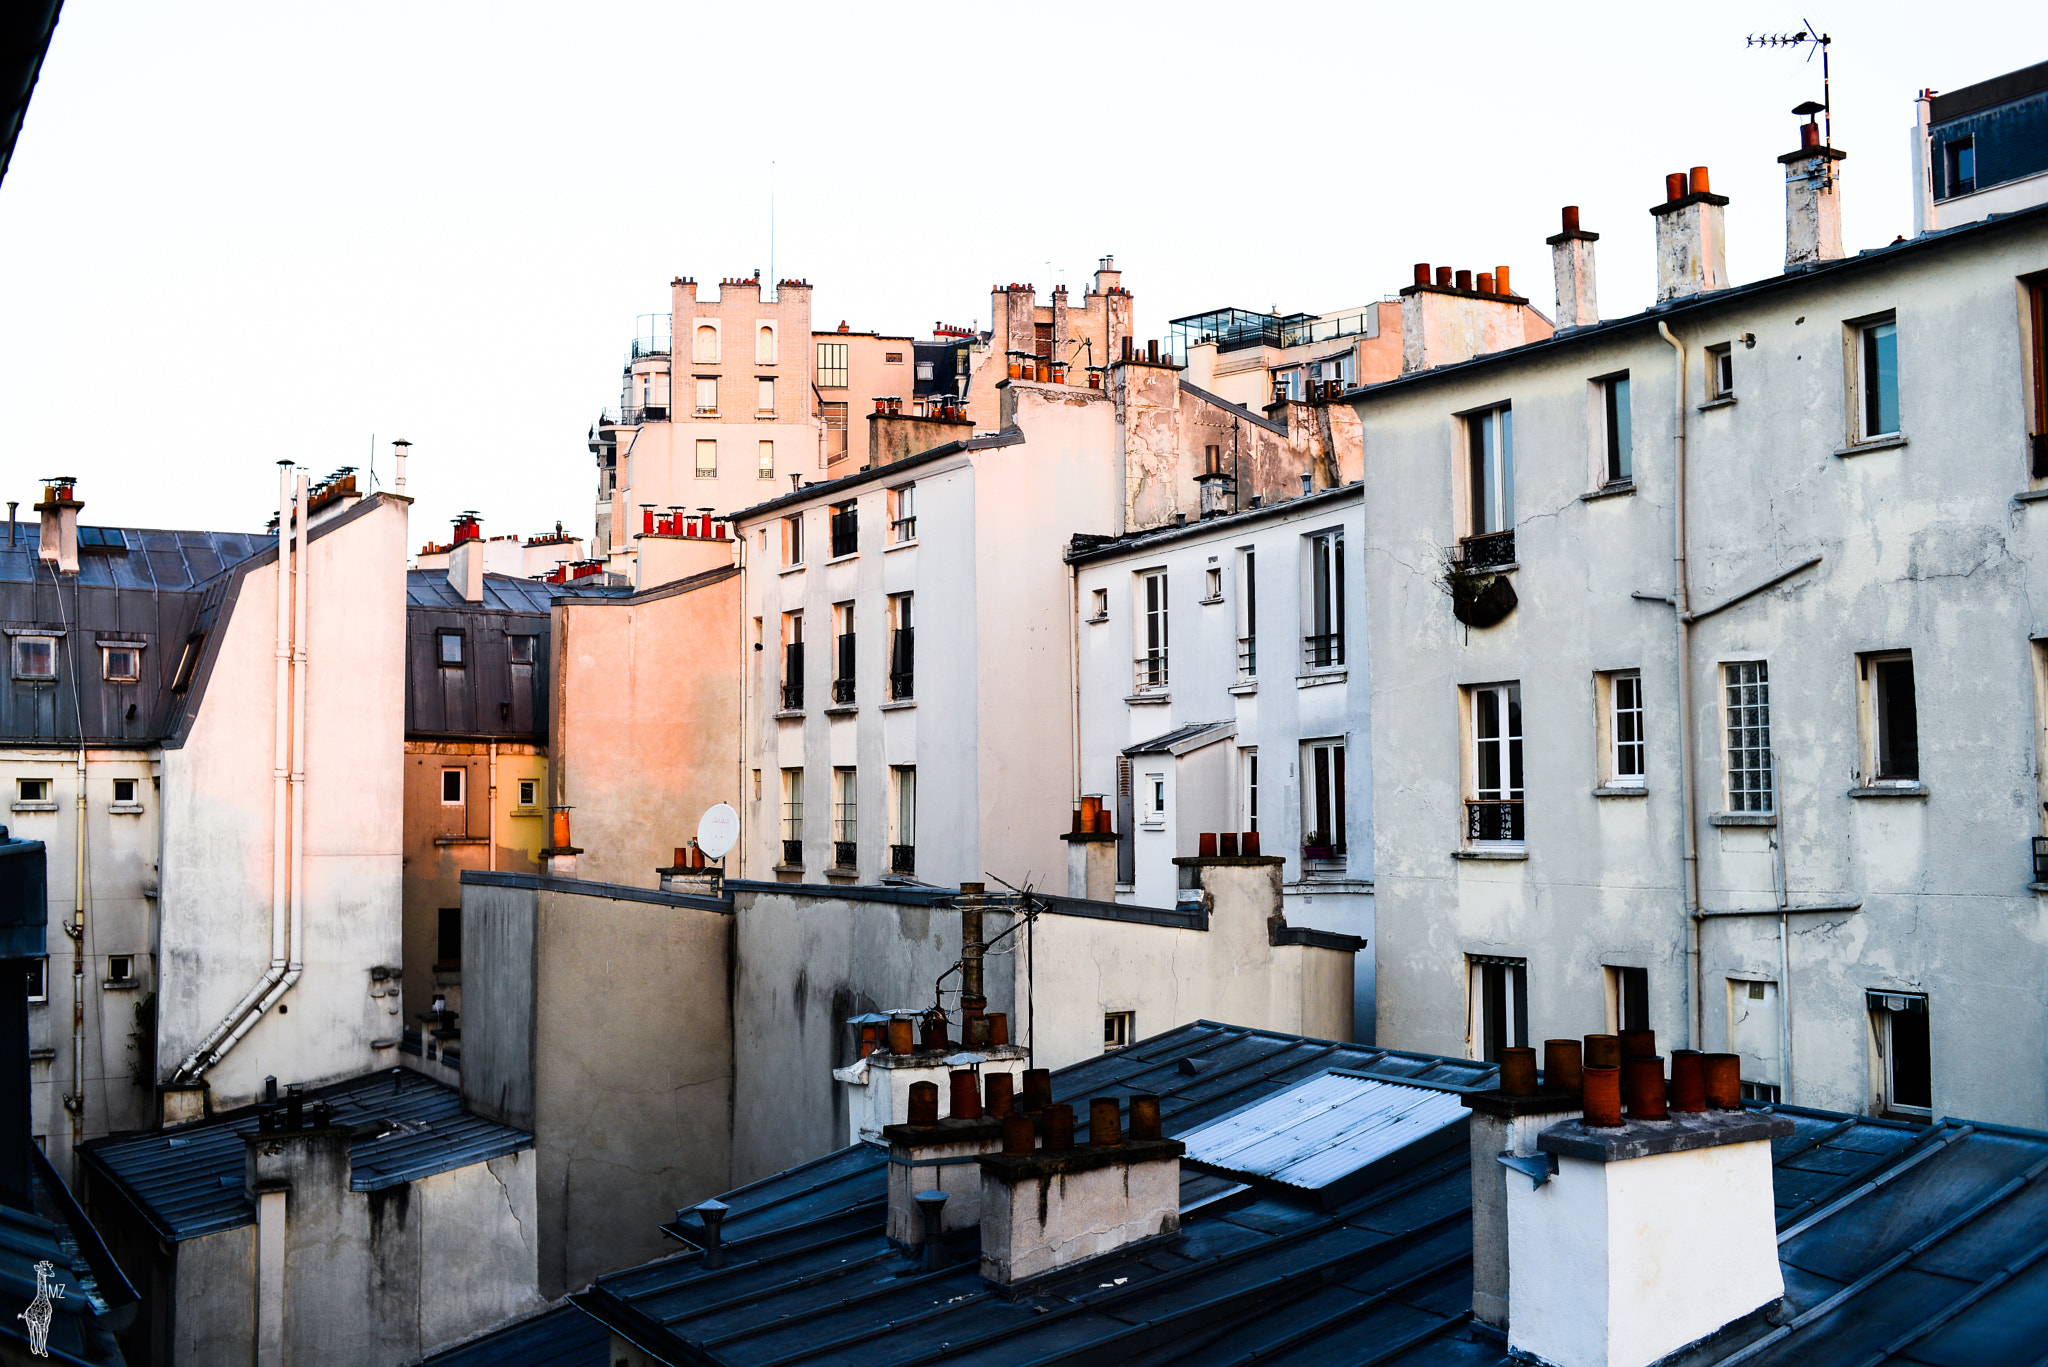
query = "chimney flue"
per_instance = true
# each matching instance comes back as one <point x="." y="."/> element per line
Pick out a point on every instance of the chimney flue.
<point x="1692" y="248"/>
<point x="1571" y="264"/>
<point x="1813" y="197"/>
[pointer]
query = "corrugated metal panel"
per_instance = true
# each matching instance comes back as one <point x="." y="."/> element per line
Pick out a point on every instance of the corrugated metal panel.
<point x="1322" y="1130"/>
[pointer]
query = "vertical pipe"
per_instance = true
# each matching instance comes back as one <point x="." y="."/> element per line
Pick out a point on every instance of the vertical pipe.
<point x="491" y="823"/>
<point x="280" y="766"/>
<point x="299" y="673"/>
<point x="77" y="1106"/>
<point x="1681" y="597"/>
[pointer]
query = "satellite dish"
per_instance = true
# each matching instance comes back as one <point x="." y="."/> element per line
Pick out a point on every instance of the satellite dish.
<point x="718" y="831"/>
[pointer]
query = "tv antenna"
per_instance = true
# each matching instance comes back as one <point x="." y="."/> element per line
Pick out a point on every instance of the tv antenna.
<point x="1820" y="42"/>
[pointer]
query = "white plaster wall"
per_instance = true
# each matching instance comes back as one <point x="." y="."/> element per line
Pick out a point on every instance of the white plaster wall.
<point x="1043" y="1223"/>
<point x="1924" y="549"/>
<point x="215" y="924"/>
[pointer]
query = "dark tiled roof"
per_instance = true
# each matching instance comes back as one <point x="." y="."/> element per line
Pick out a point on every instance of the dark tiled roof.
<point x="502" y="593"/>
<point x="1200" y="730"/>
<point x="490" y="696"/>
<point x="188" y="1181"/>
<point x="561" y="1336"/>
<point x="93" y="1291"/>
<point x="1900" y="1245"/>
<point x="148" y="559"/>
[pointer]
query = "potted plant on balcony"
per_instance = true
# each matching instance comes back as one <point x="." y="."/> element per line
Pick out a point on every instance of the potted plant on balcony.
<point x="1316" y="846"/>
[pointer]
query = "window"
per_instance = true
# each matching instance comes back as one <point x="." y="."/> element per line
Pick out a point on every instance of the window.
<point x="831" y="365"/>
<point x="1322" y="801"/>
<point x="122" y="664"/>
<point x="1721" y="371"/>
<point x="1118" y="1029"/>
<point x="1493" y="815"/>
<point x="1490" y="472"/>
<point x="845" y="817"/>
<point x="1748" y="685"/>
<point x="35" y="658"/>
<point x="1877" y="380"/>
<point x="1249" y="767"/>
<point x="188" y="663"/>
<point x="902" y="646"/>
<point x="1323" y="642"/>
<point x="38" y="979"/>
<point x="924" y="371"/>
<point x="845" y="528"/>
<point x="793" y="817"/>
<point x="1622" y="698"/>
<point x="1962" y="167"/>
<point x="793" y="539"/>
<point x="706" y="348"/>
<point x="842" y="652"/>
<point x="834" y="415"/>
<point x="1620" y="443"/>
<point x="1287" y="384"/>
<point x="32" y="790"/>
<point x="448" y="944"/>
<point x="764" y="345"/>
<point x="903" y="513"/>
<point x="1893" y="752"/>
<point x="1152" y="633"/>
<point x="1753" y="1033"/>
<point x="124" y="792"/>
<point x="1212" y="585"/>
<point x="1899" y="1028"/>
<point x="450" y="646"/>
<point x="764" y="397"/>
<point x="2037" y="317"/>
<point x="1498" y="1005"/>
<point x="766" y="452"/>
<point x="1155" y="800"/>
<point x="1628" y="999"/>
<point x="1248" y="614"/>
<point x="903" y="819"/>
<point x="707" y="395"/>
<point x="1100" y="598"/>
<point x="529" y="792"/>
<point x="792" y="661"/>
<point x="892" y="358"/>
<point x="522" y="649"/>
<point x="451" y="787"/>
<point x="121" y="968"/>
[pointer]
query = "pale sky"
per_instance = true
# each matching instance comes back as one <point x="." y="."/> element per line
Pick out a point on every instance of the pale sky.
<point x="238" y="232"/>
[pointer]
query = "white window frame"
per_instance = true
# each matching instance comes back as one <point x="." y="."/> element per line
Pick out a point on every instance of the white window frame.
<point x="1621" y="706"/>
<point x="834" y="376"/>
<point x="793" y="539"/>
<point x="764" y="396"/>
<point x="1214" y="585"/>
<point x="903" y="515"/>
<point x="1101" y="605"/>
<point x="39" y="989"/>
<point x="1323" y="602"/>
<point x="43" y="787"/>
<point x="707" y="396"/>
<point x="903" y="805"/>
<point x="1153" y="815"/>
<point x="461" y="787"/>
<point x="1721" y="371"/>
<point x="1248" y="787"/>
<point x="1869" y="685"/>
<point x="1151" y="603"/>
<point x="792" y="822"/>
<point x="705" y="444"/>
<point x="764" y="454"/>
<point x="1616" y="427"/>
<point x="1750" y="676"/>
<point x="1881" y="1019"/>
<point x="1488" y="459"/>
<point x="1247" y="613"/>
<point x="1119" y="1030"/>
<point x="529" y="792"/>
<point x="134" y="793"/>
<point x="1505" y="701"/>
<point x="1320" y="758"/>
<point x="1514" y="973"/>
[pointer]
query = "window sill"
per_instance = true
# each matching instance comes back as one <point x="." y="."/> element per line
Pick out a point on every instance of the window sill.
<point x="120" y="984"/>
<point x="896" y="704"/>
<point x="1245" y="689"/>
<point x="1621" y="790"/>
<point x="1516" y="853"/>
<point x="791" y="569"/>
<point x="788" y="868"/>
<point x="900" y="545"/>
<point x="528" y="811"/>
<point x="1096" y="620"/>
<point x="1209" y="602"/>
<point x="1134" y="700"/>
<point x="1620" y="488"/>
<point x="1913" y="790"/>
<point x="1743" y="818"/>
<point x="790" y="714"/>
<point x="842" y="559"/>
<point x="844" y="709"/>
<point x="1335" y="676"/>
<point x="2037" y="887"/>
<point x="2030" y="496"/>
<point x="842" y="875"/>
<point x="1724" y="401"/>
<point x="447" y="840"/>
<point x="35" y="806"/>
<point x="1159" y="826"/>
<point x="1858" y="448"/>
<point x="125" y="808"/>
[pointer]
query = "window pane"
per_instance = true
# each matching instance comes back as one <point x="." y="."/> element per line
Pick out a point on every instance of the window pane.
<point x="1881" y="379"/>
<point x="1621" y="441"/>
<point x="35" y="657"/>
<point x="1898" y="740"/>
<point x="707" y="460"/>
<point x="1628" y="727"/>
<point x="1480" y="432"/>
<point x="707" y="396"/>
<point x="767" y="458"/>
<point x="832" y="365"/>
<point x="451" y="649"/>
<point x="451" y="785"/>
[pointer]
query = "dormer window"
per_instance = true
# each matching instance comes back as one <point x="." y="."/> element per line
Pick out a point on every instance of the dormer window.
<point x="35" y="658"/>
<point x="122" y="664"/>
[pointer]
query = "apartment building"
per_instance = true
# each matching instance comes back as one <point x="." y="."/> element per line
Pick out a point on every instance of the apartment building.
<point x="1223" y="689"/>
<point x="1052" y="341"/>
<point x="1714" y="703"/>
<point x="1980" y="150"/>
<point x="1253" y="358"/>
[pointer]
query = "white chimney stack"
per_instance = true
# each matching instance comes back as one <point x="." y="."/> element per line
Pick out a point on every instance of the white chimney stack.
<point x="59" y="540"/>
<point x="399" y="451"/>
<point x="1692" y="247"/>
<point x="1813" y="197"/>
<point x="1571" y="257"/>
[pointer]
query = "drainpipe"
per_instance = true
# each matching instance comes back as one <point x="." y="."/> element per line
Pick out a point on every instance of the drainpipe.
<point x="491" y="822"/>
<point x="1681" y="597"/>
<point x="205" y="1056"/>
<point x="1074" y="669"/>
<point x="75" y="1103"/>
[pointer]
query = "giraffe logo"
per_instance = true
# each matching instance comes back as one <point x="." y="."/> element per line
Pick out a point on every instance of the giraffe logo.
<point x="38" y="1313"/>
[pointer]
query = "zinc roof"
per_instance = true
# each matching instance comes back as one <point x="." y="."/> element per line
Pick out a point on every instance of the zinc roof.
<point x="1320" y="1131"/>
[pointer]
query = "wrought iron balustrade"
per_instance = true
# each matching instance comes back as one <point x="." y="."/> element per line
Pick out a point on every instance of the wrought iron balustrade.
<point x="1493" y="822"/>
<point x="903" y="859"/>
<point x="843" y="854"/>
<point x="1149" y="671"/>
<point x="1324" y="651"/>
<point x="842" y="690"/>
<point x="1247" y="657"/>
<point x="1495" y="548"/>
<point x="793" y="852"/>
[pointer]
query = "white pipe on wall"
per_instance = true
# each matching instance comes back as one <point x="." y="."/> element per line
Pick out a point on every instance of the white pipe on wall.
<point x="1681" y="598"/>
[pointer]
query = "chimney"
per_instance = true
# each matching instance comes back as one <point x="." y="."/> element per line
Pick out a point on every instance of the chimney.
<point x="1091" y="852"/>
<point x="466" y="569"/>
<point x="1813" y="197"/>
<point x="1505" y="1123"/>
<point x="930" y="1153"/>
<point x="1692" y="248"/>
<point x="1571" y="262"/>
<point x="400" y="449"/>
<point x="558" y="858"/>
<point x="59" y="542"/>
<point x="1634" y="1237"/>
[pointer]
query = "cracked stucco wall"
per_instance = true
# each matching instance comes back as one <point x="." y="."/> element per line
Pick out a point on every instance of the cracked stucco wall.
<point x="1924" y="550"/>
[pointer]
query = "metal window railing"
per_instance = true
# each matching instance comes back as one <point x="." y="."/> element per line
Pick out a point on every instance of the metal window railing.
<point x="903" y="859"/>
<point x="845" y="532"/>
<point x="793" y="676"/>
<point x="1495" y="548"/>
<point x="902" y="663"/>
<point x="793" y="852"/>
<point x="1493" y="822"/>
<point x="1247" y="657"/>
<point x="1323" y="651"/>
<point x="842" y="690"/>
<point x="842" y="683"/>
<point x="904" y="529"/>
<point x="843" y="854"/>
<point x="1149" y="671"/>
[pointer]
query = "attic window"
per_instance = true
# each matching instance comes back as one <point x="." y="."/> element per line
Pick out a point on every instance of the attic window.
<point x="106" y="540"/>
<point x="522" y="648"/>
<point x="450" y="649"/>
<point x="123" y="663"/>
<point x="188" y="662"/>
<point x="35" y="658"/>
<point x="1359" y="1123"/>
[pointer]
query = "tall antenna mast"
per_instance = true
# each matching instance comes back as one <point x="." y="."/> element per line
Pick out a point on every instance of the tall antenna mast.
<point x="772" y="276"/>
<point x="1820" y="42"/>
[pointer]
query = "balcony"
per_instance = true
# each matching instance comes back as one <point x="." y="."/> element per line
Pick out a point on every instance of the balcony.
<point x="633" y="416"/>
<point x="1481" y="552"/>
<point x="1494" y="823"/>
<point x="903" y="859"/>
<point x="842" y="690"/>
<point x="844" y="856"/>
<point x="1325" y="651"/>
<point x="1149" y="672"/>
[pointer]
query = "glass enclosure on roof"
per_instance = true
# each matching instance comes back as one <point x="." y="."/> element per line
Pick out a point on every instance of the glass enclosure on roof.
<point x="1236" y="329"/>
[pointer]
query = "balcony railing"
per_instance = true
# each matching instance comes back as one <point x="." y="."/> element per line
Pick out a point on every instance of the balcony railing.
<point x="1324" y="651"/>
<point x="793" y="852"/>
<point x="634" y="415"/>
<point x="650" y="346"/>
<point x="793" y="676"/>
<point x="842" y="690"/>
<point x="844" y="855"/>
<point x="1493" y="823"/>
<point x="902" y="663"/>
<point x="903" y="529"/>
<point x="1247" y="657"/>
<point x="1149" y="672"/>
<point x="1495" y="548"/>
<point x="2041" y="859"/>
<point x="903" y="859"/>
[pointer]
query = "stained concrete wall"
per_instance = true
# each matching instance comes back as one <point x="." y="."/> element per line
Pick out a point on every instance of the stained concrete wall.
<point x="214" y="1319"/>
<point x="1922" y="547"/>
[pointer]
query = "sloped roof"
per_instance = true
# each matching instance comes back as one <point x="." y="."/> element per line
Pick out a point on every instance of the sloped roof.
<point x="189" y="1181"/>
<point x="1182" y="739"/>
<point x="502" y="593"/>
<point x="1900" y="1244"/>
<point x="558" y="1335"/>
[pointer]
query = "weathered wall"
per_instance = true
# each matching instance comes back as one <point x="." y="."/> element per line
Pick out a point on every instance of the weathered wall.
<point x="498" y="929"/>
<point x="1922" y="548"/>
<point x="214" y="1317"/>
<point x="645" y="721"/>
<point x="214" y="937"/>
<point x="892" y="436"/>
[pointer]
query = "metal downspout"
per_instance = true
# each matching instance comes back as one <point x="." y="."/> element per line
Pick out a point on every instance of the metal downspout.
<point x="75" y="1103"/>
<point x="491" y="821"/>
<point x="1681" y="597"/>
